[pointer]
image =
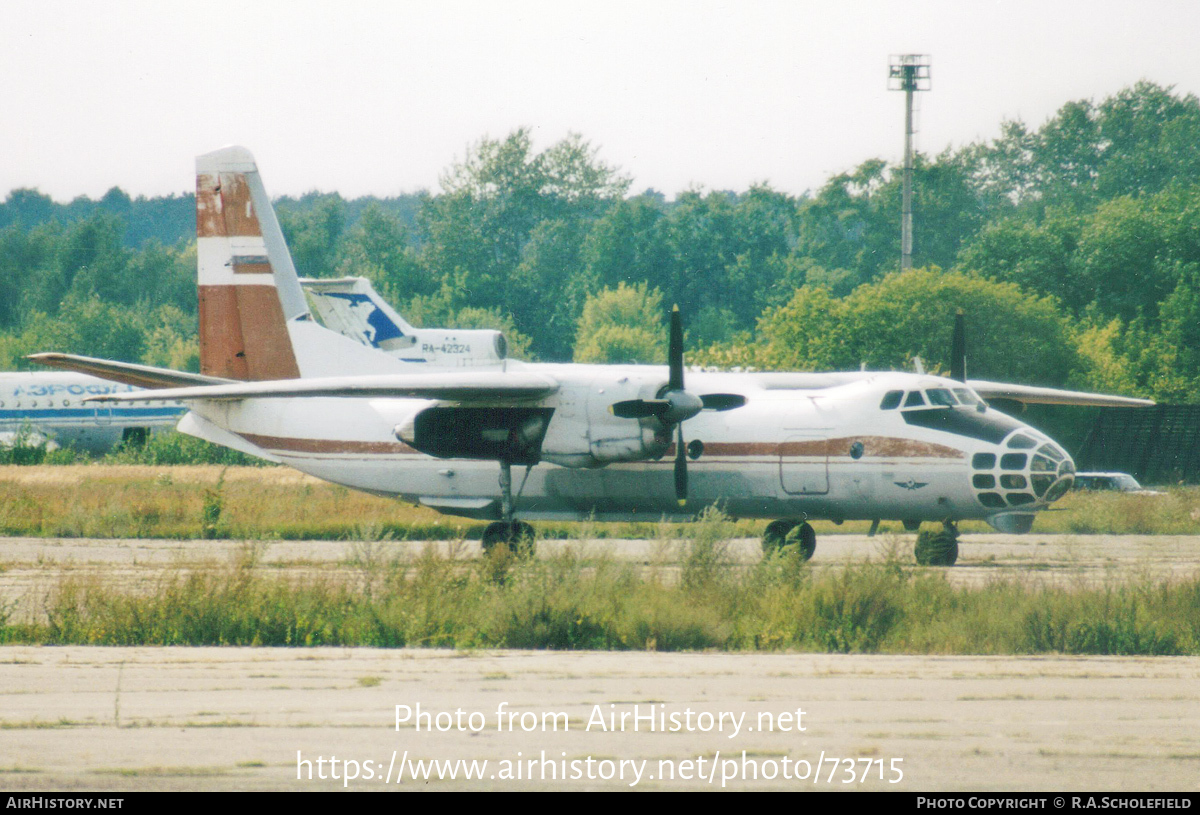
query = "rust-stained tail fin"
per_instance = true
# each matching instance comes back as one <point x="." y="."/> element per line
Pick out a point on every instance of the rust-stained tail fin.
<point x="243" y="311"/>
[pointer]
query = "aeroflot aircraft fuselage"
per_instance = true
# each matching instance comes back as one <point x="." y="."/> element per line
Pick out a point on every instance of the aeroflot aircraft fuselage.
<point x="50" y="407"/>
<point x="507" y="438"/>
<point x="886" y="445"/>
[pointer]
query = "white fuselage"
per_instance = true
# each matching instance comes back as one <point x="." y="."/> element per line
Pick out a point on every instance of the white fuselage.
<point x="815" y="446"/>
<point x="50" y="407"/>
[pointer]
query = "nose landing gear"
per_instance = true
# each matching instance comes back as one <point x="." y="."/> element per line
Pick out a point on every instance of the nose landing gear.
<point x="785" y="532"/>
<point x="937" y="548"/>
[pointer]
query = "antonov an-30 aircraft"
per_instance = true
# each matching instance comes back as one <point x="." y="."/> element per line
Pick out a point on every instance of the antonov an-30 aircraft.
<point x="613" y="442"/>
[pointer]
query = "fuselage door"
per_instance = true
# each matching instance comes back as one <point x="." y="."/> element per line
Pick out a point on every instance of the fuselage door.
<point x="102" y="414"/>
<point x="804" y="464"/>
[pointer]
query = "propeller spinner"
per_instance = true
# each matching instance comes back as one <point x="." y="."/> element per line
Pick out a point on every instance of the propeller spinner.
<point x="675" y="405"/>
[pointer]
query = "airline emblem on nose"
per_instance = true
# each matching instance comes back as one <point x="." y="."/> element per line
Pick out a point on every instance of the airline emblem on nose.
<point x="910" y="484"/>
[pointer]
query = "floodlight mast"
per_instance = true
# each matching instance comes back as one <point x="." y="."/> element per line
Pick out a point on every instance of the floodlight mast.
<point x="908" y="73"/>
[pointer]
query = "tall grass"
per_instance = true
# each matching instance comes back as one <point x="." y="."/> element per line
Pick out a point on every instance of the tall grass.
<point x="165" y="448"/>
<point x="573" y="601"/>
<point x="171" y="448"/>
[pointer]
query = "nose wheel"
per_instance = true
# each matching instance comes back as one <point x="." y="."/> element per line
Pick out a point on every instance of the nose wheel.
<point x="937" y="548"/>
<point x="785" y="532"/>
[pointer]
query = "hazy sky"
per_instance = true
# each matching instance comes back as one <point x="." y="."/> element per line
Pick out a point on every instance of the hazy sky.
<point x="381" y="97"/>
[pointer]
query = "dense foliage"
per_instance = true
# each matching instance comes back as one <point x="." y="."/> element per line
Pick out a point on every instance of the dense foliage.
<point x="1074" y="249"/>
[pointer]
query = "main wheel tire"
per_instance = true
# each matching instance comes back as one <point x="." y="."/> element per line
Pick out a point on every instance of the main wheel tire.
<point x="912" y="526"/>
<point x="517" y="536"/>
<point x="936" y="548"/>
<point x="805" y="537"/>
<point x="775" y="536"/>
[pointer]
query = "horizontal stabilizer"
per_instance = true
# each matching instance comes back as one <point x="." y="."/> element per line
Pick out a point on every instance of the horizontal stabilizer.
<point x="453" y="387"/>
<point x="1033" y="395"/>
<point x="127" y="373"/>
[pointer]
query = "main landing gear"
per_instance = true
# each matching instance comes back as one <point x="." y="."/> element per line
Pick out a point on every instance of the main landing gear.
<point x="787" y="532"/>
<point x="517" y="535"/>
<point x="934" y="548"/>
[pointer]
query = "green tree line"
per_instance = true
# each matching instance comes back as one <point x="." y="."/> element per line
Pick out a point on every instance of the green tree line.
<point x="1073" y="247"/>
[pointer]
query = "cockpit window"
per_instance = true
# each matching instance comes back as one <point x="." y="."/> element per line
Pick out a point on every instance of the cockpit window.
<point x="1052" y="452"/>
<point x="891" y="400"/>
<point x="915" y="399"/>
<point x="966" y="397"/>
<point x="1021" y="442"/>
<point x="1013" y="461"/>
<point x="940" y="397"/>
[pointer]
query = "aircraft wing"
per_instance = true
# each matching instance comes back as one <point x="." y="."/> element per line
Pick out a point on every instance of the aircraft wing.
<point x="127" y="373"/>
<point x="1034" y="395"/>
<point x="467" y="386"/>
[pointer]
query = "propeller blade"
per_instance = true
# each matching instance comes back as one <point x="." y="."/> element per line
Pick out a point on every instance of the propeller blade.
<point x="722" y="401"/>
<point x="680" y="467"/>
<point x="675" y="352"/>
<point x="958" y="349"/>
<point x="639" y="408"/>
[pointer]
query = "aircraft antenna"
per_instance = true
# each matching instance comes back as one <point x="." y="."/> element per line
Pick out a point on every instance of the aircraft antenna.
<point x="908" y="73"/>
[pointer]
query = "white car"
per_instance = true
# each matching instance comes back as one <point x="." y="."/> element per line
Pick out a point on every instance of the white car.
<point x="1118" y="482"/>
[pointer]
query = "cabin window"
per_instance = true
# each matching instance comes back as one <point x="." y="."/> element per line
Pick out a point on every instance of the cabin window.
<point x="915" y="399"/>
<point x="940" y="397"/>
<point x="891" y="400"/>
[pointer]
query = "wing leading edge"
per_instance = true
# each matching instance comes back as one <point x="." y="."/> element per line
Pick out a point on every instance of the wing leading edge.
<point x="127" y="373"/>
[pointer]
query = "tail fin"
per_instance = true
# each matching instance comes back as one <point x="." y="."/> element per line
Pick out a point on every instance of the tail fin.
<point x="254" y="318"/>
<point x="352" y="307"/>
<point x="243" y="315"/>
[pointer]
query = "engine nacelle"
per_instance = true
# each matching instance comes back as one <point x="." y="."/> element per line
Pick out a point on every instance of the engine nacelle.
<point x="451" y="347"/>
<point x="511" y="433"/>
<point x="575" y="430"/>
<point x="583" y="433"/>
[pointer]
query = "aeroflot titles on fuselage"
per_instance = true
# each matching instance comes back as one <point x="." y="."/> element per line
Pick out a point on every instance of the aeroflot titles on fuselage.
<point x="75" y="389"/>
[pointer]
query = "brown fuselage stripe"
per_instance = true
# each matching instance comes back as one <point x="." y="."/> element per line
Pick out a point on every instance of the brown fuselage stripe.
<point x="326" y="445"/>
<point x="873" y="447"/>
<point x="904" y="448"/>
